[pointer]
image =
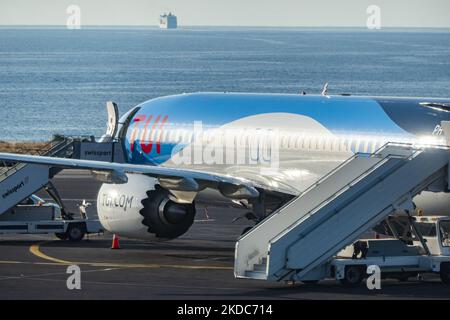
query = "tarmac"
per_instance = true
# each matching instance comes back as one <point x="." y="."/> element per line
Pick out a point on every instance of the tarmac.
<point x="198" y="265"/>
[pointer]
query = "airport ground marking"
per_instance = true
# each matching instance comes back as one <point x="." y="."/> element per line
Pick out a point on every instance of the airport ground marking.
<point x="35" y="249"/>
<point x="29" y="262"/>
<point x="11" y="262"/>
<point x="36" y="276"/>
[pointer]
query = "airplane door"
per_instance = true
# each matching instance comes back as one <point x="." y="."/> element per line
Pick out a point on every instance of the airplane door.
<point x="113" y="121"/>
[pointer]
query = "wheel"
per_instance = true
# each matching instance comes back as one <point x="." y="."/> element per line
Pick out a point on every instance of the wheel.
<point x="445" y="272"/>
<point x="310" y="281"/>
<point x="62" y="236"/>
<point x="76" y="232"/>
<point x="353" y="276"/>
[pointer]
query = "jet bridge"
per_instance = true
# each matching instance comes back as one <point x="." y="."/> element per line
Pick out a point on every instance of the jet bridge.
<point x="306" y="233"/>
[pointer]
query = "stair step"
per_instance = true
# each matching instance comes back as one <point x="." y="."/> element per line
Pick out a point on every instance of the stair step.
<point x="260" y="267"/>
<point x="256" y="275"/>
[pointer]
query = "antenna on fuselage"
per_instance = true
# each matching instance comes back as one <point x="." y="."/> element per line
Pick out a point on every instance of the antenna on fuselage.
<point x="325" y="89"/>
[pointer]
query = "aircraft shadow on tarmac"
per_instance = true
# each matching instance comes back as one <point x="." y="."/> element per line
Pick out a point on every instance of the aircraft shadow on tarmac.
<point x="330" y="289"/>
<point x="105" y="244"/>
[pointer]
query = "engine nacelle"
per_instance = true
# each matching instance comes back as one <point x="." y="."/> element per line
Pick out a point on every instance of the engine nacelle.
<point x="142" y="209"/>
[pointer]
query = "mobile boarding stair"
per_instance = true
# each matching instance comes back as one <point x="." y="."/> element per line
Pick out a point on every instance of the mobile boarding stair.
<point x="299" y="240"/>
<point x="21" y="180"/>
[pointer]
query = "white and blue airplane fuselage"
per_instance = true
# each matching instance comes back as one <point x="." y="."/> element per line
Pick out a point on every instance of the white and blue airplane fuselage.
<point x="311" y="133"/>
<point x="242" y="144"/>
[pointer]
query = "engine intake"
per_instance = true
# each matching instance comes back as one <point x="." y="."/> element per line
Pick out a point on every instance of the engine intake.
<point x="164" y="217"/>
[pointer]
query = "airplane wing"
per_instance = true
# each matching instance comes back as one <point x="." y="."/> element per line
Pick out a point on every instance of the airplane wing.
<point x="170" y="178"/>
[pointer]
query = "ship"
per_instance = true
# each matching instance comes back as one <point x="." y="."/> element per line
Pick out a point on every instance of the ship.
<point x="168" y="21"/>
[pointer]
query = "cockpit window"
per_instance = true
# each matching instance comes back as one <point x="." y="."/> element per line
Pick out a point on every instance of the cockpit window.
<point x="426" y="229"/>
<point x="436" y="106"/>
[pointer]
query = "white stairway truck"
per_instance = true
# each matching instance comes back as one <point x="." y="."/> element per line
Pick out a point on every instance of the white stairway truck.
<point x="300" y="239"/>
<point x="21" y="180"/>
<point x="18" y="182"/>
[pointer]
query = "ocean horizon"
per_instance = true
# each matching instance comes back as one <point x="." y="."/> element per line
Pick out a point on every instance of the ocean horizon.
<point x="56" y="81"/>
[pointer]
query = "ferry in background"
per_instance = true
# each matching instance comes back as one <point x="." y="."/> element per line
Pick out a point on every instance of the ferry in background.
<point x="168" y="21"/>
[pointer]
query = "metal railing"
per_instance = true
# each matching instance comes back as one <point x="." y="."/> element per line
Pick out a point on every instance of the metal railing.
<point x="376" y="154"/>
<point x="52" y="149"/>
<point x="323" y="178"/>
<point x="383" y="157"/>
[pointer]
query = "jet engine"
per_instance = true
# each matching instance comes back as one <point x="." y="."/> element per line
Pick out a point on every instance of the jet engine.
<point x="141" y="208"/>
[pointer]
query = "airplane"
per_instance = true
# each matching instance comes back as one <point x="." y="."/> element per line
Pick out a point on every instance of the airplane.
<point x="257" y="150"/>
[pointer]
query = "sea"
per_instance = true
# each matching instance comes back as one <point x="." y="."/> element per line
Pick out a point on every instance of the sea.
<point x="57" y="81"/>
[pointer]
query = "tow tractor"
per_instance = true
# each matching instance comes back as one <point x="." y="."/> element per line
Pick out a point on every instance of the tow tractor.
<point x="414" y="246"/>
<point x="33" y="215"/>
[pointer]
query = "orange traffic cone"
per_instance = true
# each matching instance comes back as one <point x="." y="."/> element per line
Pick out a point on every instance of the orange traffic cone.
<point x="115" y="242"/>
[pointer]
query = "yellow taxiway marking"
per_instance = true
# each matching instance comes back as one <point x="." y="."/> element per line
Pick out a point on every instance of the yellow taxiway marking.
<point x="35" y="250"/>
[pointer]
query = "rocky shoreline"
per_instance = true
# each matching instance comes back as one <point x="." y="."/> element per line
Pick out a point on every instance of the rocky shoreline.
<point x="22" y="147"/>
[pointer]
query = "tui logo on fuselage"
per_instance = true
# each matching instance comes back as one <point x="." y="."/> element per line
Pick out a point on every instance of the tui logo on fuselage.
<point x="148" y="136"/>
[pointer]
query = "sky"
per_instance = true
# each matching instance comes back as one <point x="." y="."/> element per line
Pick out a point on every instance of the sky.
<point x="281" y="13"/>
